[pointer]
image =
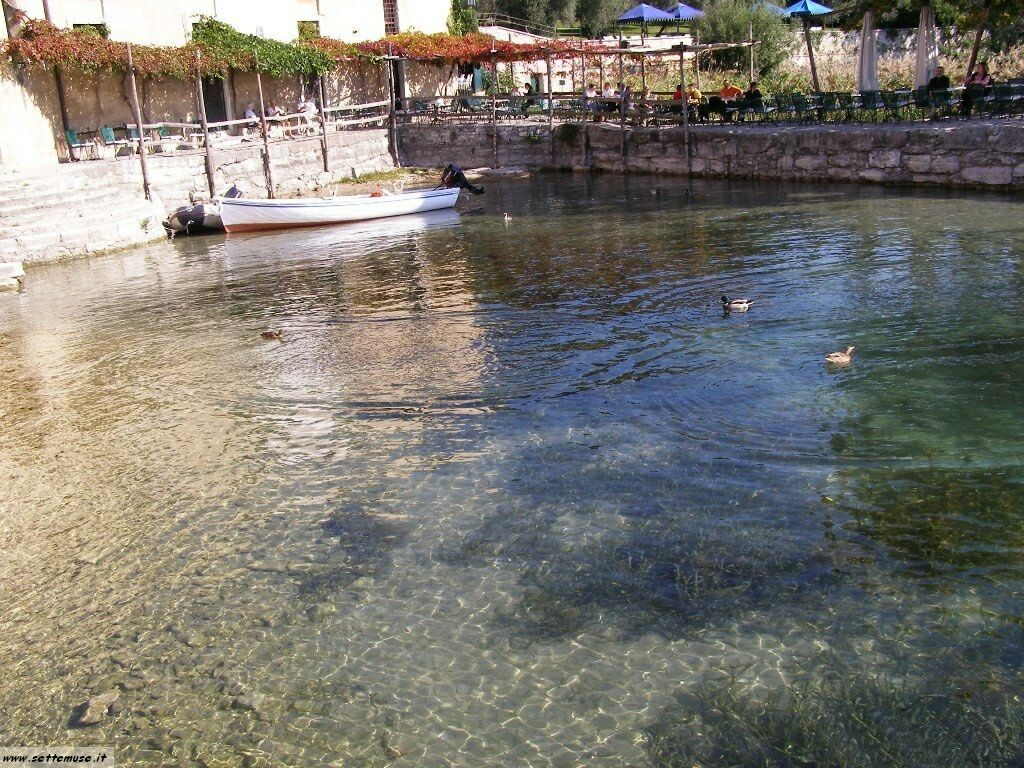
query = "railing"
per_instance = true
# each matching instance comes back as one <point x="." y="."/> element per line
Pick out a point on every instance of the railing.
<point x="341" y="117"/>
<point x="513" y="22"/>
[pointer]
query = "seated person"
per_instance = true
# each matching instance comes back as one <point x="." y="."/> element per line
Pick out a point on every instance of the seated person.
<point x="677" y="97"/>
<point x="609" y="93"/>
<point x="729" y="92"/>
<point x="309" y="113"/>
<point x="940" y="82"/>
<point x="752" y="96"/>
<point x="974" y="86"/>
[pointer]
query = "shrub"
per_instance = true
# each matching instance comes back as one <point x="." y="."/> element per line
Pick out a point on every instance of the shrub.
<point x="730" y="20"/>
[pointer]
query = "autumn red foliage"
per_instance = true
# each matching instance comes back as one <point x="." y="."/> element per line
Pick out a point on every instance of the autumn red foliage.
<point x="44" y="44"/>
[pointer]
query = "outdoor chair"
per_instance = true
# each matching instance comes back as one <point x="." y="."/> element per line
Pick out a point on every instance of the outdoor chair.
<point x="802" y="108"/>
<point x="783" y="105"/>
<point x="942" y="102"/>
<point x="975" y="98"/>
<point x="828" y="104"/>
<point x="847" y="104"/>
<point x="893" y="102"/>
<point x="870" y="104"/>
<point x="922" y="100"/>
<point x="78" y="149"/>
<point x="1005" y="100"/>
<point x="110" y="140"/>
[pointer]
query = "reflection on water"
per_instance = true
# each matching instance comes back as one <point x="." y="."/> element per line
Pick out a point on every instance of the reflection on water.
<point x="517" y="493"/>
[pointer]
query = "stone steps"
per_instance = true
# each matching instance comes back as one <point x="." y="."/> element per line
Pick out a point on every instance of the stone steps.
<point x="17" y="211"/>
<point x="71" y="233"/>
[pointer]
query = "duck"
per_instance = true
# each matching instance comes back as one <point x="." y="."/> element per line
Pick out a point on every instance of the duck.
<point x="840" y="358"/>
<point x="269" y="335"/>
<point x="736" y="305"/>
<point x="507" y="218"/>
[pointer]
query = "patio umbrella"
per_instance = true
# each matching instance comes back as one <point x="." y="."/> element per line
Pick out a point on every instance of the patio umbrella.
<point x="867" y="56"/>
<point x="643" y="13"/>
<point x="805" y="9"/>
<point x="927" y="53"/>
<point x="683" y="12"/>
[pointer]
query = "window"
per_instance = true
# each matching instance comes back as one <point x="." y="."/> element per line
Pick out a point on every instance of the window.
<point x="309" y="30"/>
<point x="100" y="29"/>
<point x="390" y="17"/>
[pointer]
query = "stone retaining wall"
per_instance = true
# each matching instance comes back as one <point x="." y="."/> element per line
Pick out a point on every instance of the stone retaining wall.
<point x="956" y="154"/>
<point x="297" y="166"/>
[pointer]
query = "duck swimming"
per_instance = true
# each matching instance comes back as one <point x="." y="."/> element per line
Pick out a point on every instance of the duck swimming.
<point x="840" y="358"/>
<point x="736" y="305"/>
<point x="272" y="335"/>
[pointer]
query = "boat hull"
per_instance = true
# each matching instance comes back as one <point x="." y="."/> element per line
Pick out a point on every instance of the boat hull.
<point x="241" y="215"/>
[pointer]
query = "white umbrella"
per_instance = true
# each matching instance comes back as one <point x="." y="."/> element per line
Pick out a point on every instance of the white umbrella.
<point x="867" y="57"/>
<point x="927" y="53"/>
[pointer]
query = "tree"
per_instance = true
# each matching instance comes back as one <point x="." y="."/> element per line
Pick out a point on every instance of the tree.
<point x="596" y="17"/>
<point x="728" y="21"/>
<point x="461" y="20"/>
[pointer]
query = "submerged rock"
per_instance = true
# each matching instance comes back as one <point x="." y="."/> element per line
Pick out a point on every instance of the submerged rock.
<point x="95" y="709"/>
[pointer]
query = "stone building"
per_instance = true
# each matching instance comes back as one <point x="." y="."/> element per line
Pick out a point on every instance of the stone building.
<point x="31" y="125"/>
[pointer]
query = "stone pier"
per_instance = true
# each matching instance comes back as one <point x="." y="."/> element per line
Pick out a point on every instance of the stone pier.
<point x="949" y="153"/>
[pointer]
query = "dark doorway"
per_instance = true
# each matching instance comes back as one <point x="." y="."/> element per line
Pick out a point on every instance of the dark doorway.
<point x="213" y="95"/>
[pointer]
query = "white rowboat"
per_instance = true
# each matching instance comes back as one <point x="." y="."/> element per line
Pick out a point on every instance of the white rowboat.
<point x="242" y="215"/>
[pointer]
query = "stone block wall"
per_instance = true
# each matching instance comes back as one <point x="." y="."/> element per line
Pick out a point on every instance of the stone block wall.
<point x="952" y="154"/>
<point x="297" y="166"/>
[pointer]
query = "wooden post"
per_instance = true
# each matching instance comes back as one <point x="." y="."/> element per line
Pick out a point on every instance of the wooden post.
<point x="204" y="124"/>
<point x="323" y="122"/>
<point x="600" y="73"/>
<point x="751" y="41"/>
<point x="137" y="113"/>
<point x="643" y="74"/>
<point x="810" y="53"/>
<point x="494" y="110"/>
<point x="621" y="78"/>
<point x="267" y="172"/>
<point x="686" y="113"/>
<point x="622" y="127"/>
<point x="551" y="107"/>
<point x="696" y="64"/>
<point x="392" y="126"/>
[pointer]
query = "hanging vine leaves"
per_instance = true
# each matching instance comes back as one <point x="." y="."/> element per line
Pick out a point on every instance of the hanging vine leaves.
<point x="217" y="48"/>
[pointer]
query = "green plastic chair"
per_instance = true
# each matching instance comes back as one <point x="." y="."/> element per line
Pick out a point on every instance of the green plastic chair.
<point x="74" y="143"/>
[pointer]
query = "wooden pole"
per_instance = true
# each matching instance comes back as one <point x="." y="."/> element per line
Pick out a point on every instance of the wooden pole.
<point x="204" y="124"/>
<point x="267" y="172"/>
<point x="137" y="113"/>
<point x="392" y="126"/>
<point x="696" y="64"/>
<point x="751" y="41"/>
<point x="323" y="122"/>
<point x="643" y="74"/>
<point x="600" y="73"/>
<point x="494" y="110"/>
<point x="621" y="80"/>
<point x="551" y="107"/>
<point x="686" y="113"/>
<point x="810" y="53"/>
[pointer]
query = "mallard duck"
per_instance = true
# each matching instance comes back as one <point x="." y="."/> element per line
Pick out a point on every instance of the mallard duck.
<point x="736" y="305"/>
<point x="272" y="334"/>
<point x="840" y="358"/>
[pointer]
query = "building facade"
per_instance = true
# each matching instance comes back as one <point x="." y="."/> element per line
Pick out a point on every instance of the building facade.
<point x="31" y="125"/>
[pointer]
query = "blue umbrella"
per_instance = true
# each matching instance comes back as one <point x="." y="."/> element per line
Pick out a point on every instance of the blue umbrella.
<point x="683" y="12"/>
<point x="644" y="13"/>
<point x="807" y="8"/>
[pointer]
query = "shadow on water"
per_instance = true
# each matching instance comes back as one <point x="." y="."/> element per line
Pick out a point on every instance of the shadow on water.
<point x="365" y="542"/>
<point x="854" y="718"/>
